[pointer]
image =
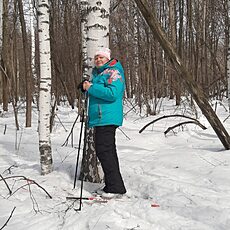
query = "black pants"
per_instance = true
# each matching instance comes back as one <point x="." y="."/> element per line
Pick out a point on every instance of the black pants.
<point x="107" y="154"/>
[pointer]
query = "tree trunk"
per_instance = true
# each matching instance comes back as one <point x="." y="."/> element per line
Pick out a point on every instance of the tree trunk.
<point x="32" y="25"/>
<point x="97" y="36"/>
<point x="228" y="56"/>
<point x="14" y="67"/>
<point x="191" y="86"/>
<point x="5" y="55"/>
<point x="84" y="11"/>
<point x="1" y="30"/>
<point x="45" y="87"/>
<point x="26" y="66"/>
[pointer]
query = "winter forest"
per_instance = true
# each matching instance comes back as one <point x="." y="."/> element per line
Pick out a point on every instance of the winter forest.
<point x="174" y="144"/>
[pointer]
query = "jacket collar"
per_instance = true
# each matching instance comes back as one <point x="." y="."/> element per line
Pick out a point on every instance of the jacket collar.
<point x="109" y="64"/>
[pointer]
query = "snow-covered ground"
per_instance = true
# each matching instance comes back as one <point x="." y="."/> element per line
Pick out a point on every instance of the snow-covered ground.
<point x="177" y="181"/>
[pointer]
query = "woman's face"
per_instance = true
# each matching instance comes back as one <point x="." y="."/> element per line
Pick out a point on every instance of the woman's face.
<point x="100" y="60"/>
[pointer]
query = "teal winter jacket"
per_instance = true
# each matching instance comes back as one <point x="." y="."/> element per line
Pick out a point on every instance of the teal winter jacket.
<point x="106" y="94"/>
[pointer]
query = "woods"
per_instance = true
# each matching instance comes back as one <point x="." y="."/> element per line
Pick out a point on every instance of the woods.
<point x="165" y="139"/>
<point x="197" y="35"/>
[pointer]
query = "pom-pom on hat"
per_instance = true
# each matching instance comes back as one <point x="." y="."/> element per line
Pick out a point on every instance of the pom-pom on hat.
<point x="105" y="52"/>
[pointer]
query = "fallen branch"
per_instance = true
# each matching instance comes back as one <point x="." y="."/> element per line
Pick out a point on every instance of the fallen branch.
<point x="34" y="202"/>
<point x="11" y="214"/>
<point x="9" y="169"/>
<point x="6" y="184"/>
<point x="184" y="123"/>
<point x="166" y="116"/>
<point x="29" y="181"/>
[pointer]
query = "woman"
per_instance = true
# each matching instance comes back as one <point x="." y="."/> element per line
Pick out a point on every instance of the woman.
<point x="106" y="92"/>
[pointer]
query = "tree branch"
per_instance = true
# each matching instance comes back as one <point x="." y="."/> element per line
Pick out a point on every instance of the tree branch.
<point x="11" y="214"/>
<point x="71" y="132"/>
<point x="6" y="184"/>
<point x="124" y="133"/>
<point x="166" y="116"/>
<point x="29" y="181"/>
<point x="184" y="123"/>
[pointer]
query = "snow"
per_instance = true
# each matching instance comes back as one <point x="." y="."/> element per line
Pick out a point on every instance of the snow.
<point x="177" y="181"/>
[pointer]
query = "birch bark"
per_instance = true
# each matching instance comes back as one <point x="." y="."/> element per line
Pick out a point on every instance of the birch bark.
<point x="32" y="22"/>
<point x="45" y="87"/>
<point x="97" y="28"/>
<point x="84" y="15"/>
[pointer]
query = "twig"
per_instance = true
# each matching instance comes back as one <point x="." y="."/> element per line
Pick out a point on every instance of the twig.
<point x="6" y="184"/>
<point x="226" y="118"/>
<point x="4" y="130"/>
<point x="133" y="107"/>
<point x="34" y="202"/>
<point x="9" y="169"/>
<point x="129" y="102"/>
<point x="31" y="182"/>
<point x="71" y="131"/>
<point x="11" y="214"/>
<point x="17" y="145"/>
<point x="61" y="122"/>
<point x="124" y="134"/>
<point x="184" y="123"/>
<point x="19" y="189"/>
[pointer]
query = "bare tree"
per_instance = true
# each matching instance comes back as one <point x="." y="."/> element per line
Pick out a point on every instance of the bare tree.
<point x="5" y="54"/>
<point x="27" y="64"/>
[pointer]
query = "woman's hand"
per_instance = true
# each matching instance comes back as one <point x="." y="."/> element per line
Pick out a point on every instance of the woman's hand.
<point x="86" y="85"/>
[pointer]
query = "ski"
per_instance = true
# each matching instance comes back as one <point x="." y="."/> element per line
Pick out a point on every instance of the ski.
<point x="99" y="199"/>
<point x="92" y="198"/>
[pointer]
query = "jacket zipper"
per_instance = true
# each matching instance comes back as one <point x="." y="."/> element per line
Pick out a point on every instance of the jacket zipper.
<point x="99" y="111"/>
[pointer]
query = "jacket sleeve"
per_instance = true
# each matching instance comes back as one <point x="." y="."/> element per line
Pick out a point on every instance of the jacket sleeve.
<point x="109" y="91"/>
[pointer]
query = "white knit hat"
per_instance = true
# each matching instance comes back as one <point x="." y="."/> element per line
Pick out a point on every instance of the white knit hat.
<point x="105" y="52"/>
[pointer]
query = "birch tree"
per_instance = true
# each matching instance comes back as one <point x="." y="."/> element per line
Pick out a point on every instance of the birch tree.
<point x="97" y="36"/>
<point x="45" y="87"/>
<point x="32" y="21"/>
<point x="84" y="14"/>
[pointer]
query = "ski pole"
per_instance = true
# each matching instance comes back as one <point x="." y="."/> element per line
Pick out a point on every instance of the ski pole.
<point x="84" y="151"/>
<point x="79" y="148"/>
